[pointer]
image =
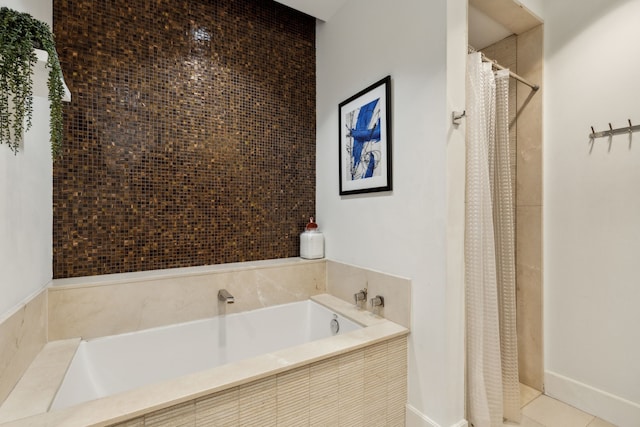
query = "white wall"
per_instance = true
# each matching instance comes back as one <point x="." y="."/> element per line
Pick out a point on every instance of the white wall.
<point x="457" y="42"/>
<point x="39" y="9"/>
<point x="26" y="199"/>
<point x="592" y="207"/>
<point x="403" y="232"/>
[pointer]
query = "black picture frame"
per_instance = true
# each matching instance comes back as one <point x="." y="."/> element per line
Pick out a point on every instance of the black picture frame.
<point x="364" y="124"/>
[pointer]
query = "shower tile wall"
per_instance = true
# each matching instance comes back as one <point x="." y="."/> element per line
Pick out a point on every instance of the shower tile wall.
<point x="523" y="54"/>
<point x="529" y="211"/>
<point x="190" y="139"/>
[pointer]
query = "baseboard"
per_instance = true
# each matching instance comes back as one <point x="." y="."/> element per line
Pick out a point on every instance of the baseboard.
<point x="609" y="407"/>
<point x="415" y="418"/>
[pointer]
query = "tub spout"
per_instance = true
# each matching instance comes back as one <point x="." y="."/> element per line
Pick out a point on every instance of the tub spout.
<point x="225" y="296"/>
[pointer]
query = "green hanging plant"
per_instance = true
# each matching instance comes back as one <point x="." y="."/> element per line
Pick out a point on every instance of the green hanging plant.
<point x="20" y="34"/>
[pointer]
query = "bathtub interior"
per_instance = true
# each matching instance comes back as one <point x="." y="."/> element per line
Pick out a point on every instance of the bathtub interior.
<point x="110" y="365"/>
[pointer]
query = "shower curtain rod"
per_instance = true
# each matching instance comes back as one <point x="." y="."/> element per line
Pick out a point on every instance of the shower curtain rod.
<point x="511" y="73"/>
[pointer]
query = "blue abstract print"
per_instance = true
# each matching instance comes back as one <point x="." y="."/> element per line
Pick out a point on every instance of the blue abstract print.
<point x="363" y="131"/>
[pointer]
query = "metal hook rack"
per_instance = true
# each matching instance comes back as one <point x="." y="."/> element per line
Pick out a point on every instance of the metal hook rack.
<point x="627" y="129"/>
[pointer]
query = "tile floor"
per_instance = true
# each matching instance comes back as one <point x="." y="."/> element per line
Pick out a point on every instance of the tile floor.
<point x="543" y="411"/>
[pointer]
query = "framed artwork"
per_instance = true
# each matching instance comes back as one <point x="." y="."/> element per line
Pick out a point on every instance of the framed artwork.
<point x="365" y="140"/>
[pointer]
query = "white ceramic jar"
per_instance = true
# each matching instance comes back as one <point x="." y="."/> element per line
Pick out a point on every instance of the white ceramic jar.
<point x="311" y="241"/>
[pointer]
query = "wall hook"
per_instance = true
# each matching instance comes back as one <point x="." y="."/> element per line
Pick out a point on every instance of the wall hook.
<point x="456" y="116"/>
<point x="609" y="133"/>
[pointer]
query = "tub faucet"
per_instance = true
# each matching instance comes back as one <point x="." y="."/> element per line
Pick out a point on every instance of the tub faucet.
<point x="225" y="296"/>
<point x="360" y="296"/>
<point x="378" y="301"/>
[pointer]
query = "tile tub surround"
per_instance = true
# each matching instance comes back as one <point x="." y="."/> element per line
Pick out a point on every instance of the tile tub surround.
<point x="22" y="336"/>
<point x="340" y="379"/>
<point x="190" y="138"/>
<point x="344" y="280"/>
<point x="113" y="304"/>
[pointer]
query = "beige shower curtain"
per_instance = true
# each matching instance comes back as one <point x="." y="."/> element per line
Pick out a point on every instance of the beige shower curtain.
<point x="492" y="370"/>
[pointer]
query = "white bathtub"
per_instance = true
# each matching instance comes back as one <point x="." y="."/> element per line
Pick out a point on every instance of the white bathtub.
<point x="110" y="365"/>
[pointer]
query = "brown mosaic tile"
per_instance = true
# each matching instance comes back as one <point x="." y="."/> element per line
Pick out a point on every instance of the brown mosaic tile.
<point x="190" y="138"/>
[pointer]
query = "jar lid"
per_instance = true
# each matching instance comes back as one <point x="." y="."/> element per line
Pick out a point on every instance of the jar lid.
<point x="311" y="226"/>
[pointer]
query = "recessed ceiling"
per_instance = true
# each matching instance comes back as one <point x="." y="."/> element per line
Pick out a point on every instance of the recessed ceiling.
<point x="489" y="20"/>
<point x="321" y="9"/>
<point x="512" y="15"/>
<point x="484" y="30"/>
<point x="493" y="20"/>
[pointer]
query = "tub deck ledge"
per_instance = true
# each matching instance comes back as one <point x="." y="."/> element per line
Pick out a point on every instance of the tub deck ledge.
<point x="36" y="389"/>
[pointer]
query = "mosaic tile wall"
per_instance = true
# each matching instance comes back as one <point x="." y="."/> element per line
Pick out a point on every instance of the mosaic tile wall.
<point x="190" y="139"/>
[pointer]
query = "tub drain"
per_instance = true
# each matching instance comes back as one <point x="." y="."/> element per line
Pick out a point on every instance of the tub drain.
<point x="334" y="325"/>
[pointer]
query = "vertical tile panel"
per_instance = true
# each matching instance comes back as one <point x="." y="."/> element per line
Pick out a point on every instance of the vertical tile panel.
<point x="375" y="385"/>
<point x="138" y="422"/>
<point x="351" y="389"/>
<point x="183" y="415"/>
<point x="293" y="398"/>
<point x="257" y="403"/>
<point x="219" y="410"/>
<point x="323" y="399"/>
<point x="396" y="381"/>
